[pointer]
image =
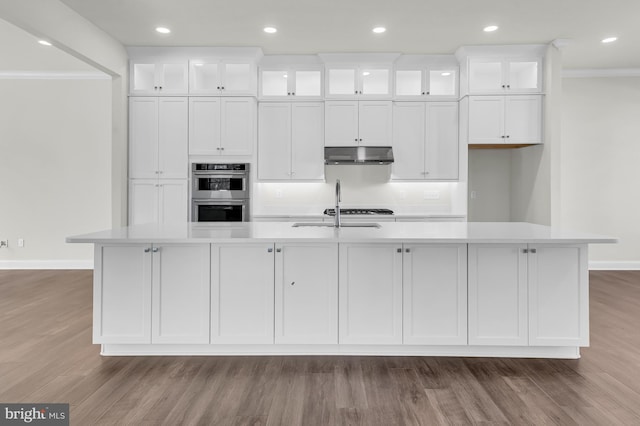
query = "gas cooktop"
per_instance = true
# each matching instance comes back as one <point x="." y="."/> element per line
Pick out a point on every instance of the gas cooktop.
<point x="332" y="212"/>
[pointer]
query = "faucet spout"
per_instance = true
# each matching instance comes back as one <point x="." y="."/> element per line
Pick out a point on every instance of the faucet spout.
<point x="338" y="199"/>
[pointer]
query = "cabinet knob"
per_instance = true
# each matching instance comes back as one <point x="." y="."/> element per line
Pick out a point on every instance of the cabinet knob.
<point x="508" y="86"/>
<point x="503" y="86"/>
<point x="399" y="250"/>
<point x="147" y="250"/>
<point x="407" y="250"/>
<point x="288" y="93"/>
<point x="508" y="136"/>
<point x="222" y="87"/>
<point x="218" y="87"/>
<point x="278" y="250"/>
<point x="426" y="173"/>
<point x="424" y="93"/>
<point x="360" y="140"/>
<point x="356" y="139"/>
<point x="269" y="250"/>
<point x="160" y="87"/>
<point x="155" y="87"/>
<point x="534" y="251"/>
<point x="502" y="136"/>
<point x="525" y="251"/>
<point x="293" y="93"/>
<point x="222" y="148"/>
<point x="155" y="249"/>
<point x="356" y="92"/>
<point x="428" y="93"/>
<point x="293" y="283"/>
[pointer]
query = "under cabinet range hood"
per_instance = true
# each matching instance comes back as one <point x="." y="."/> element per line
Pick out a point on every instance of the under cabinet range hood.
<point x="358" y="155"/>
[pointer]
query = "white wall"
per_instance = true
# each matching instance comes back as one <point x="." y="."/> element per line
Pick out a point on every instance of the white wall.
<point x="600" y="174"/>
<point x="490" y="185"/>
<point x="55" y="167"/>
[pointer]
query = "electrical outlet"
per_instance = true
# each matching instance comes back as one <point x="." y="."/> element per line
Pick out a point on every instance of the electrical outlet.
<point x="278" y="193"/>
<point x="474" y="195"/>
<point x="20" y="242"/>
<point x="4" y="243"/>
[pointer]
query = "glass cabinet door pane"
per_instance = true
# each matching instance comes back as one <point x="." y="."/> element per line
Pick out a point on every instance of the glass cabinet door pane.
<point x="375" y="82"/>
<point x="308" y="83"/>
<point x="174" y="77"/>
<point x="442" y="82"/>
<point x="274" y="83"/>
<point x="237" y="77"/>
<point x="144" y="76"/>
<point x="523" y="75"/>
<point x="342" y="81"/>
<point x="485" y="76"/>
<point x="205" y="77"/>
<point x="408" y="82"/>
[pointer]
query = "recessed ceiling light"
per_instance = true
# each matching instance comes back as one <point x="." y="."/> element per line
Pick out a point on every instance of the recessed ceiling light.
<point x="379" y="30"/>
<point x="270" y="30"/>
<point x="44" y="42"/>
<point x="163" y="30"/>
<point x="609" y="39"/>
<point x="445" y="74"/>
<point x="490" y="28"/>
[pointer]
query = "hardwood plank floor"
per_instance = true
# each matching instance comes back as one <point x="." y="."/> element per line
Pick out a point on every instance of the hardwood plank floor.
<point x="46" y="355"/>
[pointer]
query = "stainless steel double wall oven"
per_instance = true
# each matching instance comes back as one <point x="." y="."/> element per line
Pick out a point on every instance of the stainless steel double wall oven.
<point x="220" y="192"/>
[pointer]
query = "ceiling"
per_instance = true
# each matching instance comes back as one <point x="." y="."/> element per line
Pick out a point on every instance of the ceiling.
<point x="413" y="26"/>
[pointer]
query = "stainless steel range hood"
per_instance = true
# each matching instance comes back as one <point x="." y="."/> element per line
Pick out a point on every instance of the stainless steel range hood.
<point x="358" y="155"/>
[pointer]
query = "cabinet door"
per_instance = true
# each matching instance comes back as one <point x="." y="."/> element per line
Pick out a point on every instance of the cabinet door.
<point x="180" y="302"/>
<point x="442" y="82"/>
<point x="306" y="293"/>
<point x="375" y="118"/>
<point x="143" y="201"/>
<point x="486" y="75"/>
<point x="242" y="280"/>
<point x="435" y="294"/>
<point x="143" y="138"/>
<point x="341" y="82"/>
<point x="486" y="120"/>
<point x="307" y="141"/>
<point x="237" y="126"/>
<point x="238" y="78"/>
<point x="442" y="141"/>
<point x="173" y="138"/>
<point x="523" y="119"/>
<point x="370" y="296"/>
<point x="341" y="123"/>
<point x="408" y="140"/>
<point x="498" y="294"/>
<point x="122" y="294"/>
<point x="307" y="83"/>
<point x="558" y="295"/>
<point x="173" y="201"/>
<point x="410" y="83"/>
<point x="275" y="83"/>
<point x="204" y="77"/>
<point x="143" y="78"/>
<point x="204" y="126"/>
<point x="274" y="141"/>
<point x="524" y="75"/>
<point x="172" y="78"/>
<point x="375" y="82"/>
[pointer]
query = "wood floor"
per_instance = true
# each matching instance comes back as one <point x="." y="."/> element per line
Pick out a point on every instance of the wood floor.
<point x="46" y="355"/>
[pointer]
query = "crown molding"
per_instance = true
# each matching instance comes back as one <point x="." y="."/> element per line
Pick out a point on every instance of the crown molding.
<point x="53" y="75"/>
<point x="601" y="72"/>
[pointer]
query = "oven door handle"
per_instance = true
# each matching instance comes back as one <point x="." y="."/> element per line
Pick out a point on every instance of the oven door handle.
<point x="219" y="175"/>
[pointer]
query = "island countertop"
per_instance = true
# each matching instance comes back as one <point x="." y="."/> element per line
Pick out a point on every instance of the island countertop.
<point x="391" y="232"/>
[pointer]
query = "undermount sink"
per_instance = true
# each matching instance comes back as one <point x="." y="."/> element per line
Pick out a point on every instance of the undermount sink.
<point x="342" y="225"/>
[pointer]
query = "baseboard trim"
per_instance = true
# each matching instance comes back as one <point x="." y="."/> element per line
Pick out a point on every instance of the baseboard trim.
<point x="597" y="265"/>
<point x="46" y="264"/>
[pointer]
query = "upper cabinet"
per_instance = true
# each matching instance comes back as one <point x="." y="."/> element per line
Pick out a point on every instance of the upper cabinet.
<point x="358" y="82"/>
<point x="353" y="123"/>
<point x="291" y="83"/>
<point x="222" y="77"/>
<point x="491" y="70"/>
<point x="158" y="77"/>
<point x="426" y="77"/>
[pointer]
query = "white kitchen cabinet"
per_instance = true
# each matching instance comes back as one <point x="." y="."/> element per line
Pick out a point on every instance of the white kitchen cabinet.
<point x="180" y="293"/>
<point x="306" y="293"/>
<point x="158" y="77"/>
<point x="158" y="137"/>
<point x="351" y="123"/>
<point x="158" y="201"/>
<point x="425" y="141"/>
<point x="505" y="119"/>
<point x="498" y="294"/>
<point x="513" y="75"/>
<point x="358" y="82"/>
<point x="223" y="77"/>
<point x="435" y="294"/>
<point x="221" y="126"/>
<point x="558" y="295"/>
<point x="370" y="296"/>
<point x="426" y="83"/>
<point x="242" y="293"/>
<point x="291" y="141"/>
<point x="122" y="294"/>
<point x="300" y="83"/>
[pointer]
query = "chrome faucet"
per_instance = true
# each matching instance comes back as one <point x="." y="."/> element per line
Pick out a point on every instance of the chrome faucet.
<point x="338" y="199"/>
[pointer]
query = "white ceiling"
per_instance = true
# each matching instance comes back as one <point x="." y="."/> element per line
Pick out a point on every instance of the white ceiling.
<point x="414" y="26"/>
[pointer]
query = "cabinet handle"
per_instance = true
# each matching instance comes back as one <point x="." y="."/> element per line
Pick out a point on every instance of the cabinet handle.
<point x="269" y="250"/>
<point x="407" y="250"/>
<point x="399" y="250"/>
<point x="293" y="283"/>
<point x="278" y="250"/>
<point x="147" y="250"/>
<point x="525" y="251"/>
<point x="155" y="249"/>
<point x="534" y="251"/>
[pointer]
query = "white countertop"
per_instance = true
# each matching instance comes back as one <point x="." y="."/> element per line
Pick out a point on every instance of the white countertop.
<point x="392" y="232"/>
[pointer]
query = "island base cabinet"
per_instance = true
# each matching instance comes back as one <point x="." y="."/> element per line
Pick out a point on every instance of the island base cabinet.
<point x="122" y="294"/>
<point x="370" y="296"/>
<point x="180" y="293"/>
<point x="306" y="299"/>
<point x="558" y="295"/>
<point x="242" y="293"/>
<point x="498" y="294"/>
<point x="435" y="294"/>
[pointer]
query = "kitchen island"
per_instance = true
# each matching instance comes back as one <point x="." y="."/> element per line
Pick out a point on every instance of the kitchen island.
<point x="267" y="288"/>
